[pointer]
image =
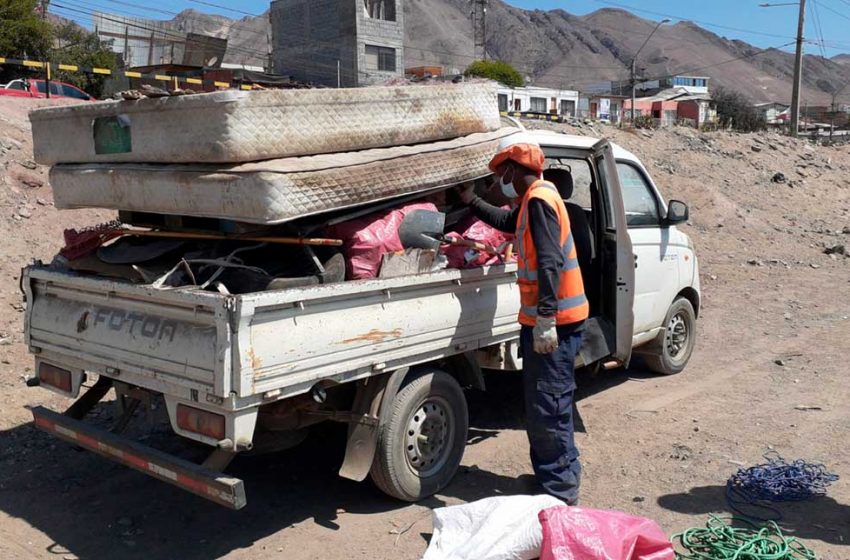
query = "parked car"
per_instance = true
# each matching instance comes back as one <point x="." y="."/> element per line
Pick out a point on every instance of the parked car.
<point x="38" y="88"/>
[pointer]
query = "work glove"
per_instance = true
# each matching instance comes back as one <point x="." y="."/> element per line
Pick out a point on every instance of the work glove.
<point x="466" y="192"/>
<point x="545" y="335"/>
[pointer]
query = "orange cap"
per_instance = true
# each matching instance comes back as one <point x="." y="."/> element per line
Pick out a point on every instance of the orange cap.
<point x="520" y="149"/>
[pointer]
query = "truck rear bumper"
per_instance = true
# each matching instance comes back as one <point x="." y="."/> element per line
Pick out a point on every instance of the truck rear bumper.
<point x="214" y="486"/>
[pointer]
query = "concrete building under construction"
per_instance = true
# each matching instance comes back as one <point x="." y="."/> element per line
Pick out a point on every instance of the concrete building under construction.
<point x="348" y="43"/>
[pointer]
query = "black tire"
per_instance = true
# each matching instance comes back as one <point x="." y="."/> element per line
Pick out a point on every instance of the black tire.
<point x="673" y="354"/>
<point x="429" y="405"/>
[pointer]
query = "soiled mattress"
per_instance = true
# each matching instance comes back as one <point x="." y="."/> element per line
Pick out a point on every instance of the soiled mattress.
<point x="240" y="126"/>
<point x="280" y="190"/>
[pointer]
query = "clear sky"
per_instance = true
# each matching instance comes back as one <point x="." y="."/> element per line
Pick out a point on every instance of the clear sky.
<point x="827" y="21"/>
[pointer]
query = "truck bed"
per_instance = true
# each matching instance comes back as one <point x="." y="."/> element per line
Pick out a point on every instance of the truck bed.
<point x="237" y="351"/>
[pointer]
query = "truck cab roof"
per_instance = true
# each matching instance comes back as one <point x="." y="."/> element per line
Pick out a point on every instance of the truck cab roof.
<point x="552" y="139"/>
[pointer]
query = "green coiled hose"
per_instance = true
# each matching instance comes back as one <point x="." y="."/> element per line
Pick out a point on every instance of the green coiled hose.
<point x="721" y="541"/>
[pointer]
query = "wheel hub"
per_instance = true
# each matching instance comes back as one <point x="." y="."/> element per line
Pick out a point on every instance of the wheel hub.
<point x="427" y="439"/>
<point x="677" y="335"/>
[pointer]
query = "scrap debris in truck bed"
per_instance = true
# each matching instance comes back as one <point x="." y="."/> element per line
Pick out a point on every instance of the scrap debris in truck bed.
<point x="269" y="190"/>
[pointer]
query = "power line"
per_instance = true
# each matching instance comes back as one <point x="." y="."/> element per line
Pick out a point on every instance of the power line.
<point x="229" y="25"/>
<point x="259" y="54"/>
<point x="224" y="8"/>
<point x="836" y="12"/>
<point x="709" y="66"/>
<point x="818" y="26"/>
<point x="146" y="8"/>
<point x="165" y="33"/>
<point x="683" y="18"/>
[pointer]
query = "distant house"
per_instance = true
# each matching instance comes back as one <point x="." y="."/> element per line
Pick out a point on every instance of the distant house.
<point x="672" y="106"/>
<point x="605" y="107"/>
<point x="697" y="85"/>
<point x="774" y="113"/>
<point x="824" y="116"/>
<point x="530" y="99"/>
<point x="696" y="110"/>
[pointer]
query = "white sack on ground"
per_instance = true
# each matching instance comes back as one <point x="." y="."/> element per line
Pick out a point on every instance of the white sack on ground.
<point x="499" y="528"/>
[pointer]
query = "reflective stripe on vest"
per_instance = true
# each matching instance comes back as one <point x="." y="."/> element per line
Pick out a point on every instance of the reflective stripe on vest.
<point x="563" y="304"/>
<point x="569" y="264"/>
<point x="572" y="305"/>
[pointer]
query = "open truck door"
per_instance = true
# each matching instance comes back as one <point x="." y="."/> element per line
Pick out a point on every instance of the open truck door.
<point x="618" y="259"/>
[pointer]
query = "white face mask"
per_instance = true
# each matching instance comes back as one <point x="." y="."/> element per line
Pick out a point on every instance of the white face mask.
<point x="508" y="187"/>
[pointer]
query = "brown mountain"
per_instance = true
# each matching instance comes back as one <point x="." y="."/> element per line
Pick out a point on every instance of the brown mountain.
<point x="555" y="48"/>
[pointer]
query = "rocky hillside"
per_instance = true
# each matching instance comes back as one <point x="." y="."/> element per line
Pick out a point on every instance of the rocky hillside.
<point x="558" y="49"/>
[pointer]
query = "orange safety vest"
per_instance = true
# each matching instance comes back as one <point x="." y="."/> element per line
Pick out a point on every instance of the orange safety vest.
<point x="572" y="303"/>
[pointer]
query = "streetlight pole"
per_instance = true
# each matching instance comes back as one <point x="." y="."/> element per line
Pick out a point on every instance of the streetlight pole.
<point x="798" y="65"/>
<point x="634" y="62"/>
<point x="835" y="93"/>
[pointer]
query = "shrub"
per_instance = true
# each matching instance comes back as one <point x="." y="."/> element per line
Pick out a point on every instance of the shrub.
<point x="736" y="111"/>
<point x="495" y="70"/>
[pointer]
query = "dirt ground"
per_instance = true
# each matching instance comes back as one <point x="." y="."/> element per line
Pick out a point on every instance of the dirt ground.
<point x="772" y="336"/>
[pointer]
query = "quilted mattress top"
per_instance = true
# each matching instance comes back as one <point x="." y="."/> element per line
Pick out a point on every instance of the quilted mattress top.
<point x="240" y="126"/>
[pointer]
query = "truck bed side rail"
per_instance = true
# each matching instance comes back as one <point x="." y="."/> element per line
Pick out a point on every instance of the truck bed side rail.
<point x="214" y="486"/>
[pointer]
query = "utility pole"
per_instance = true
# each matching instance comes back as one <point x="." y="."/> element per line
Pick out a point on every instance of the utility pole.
<point x="45" y="4"/>
<point x="479" y="29"/>
<point x="633" y="92"/>
<point x="832" y="118"/>
<point x="126" y="46"/>
<point x="150" y="50"/>
<point x="798" y="73"/>
<point x="835" y="93"/>
<point x="634" y="61"/>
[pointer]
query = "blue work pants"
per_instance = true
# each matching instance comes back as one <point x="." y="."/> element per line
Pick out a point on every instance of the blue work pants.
<point x="549" y="386"/>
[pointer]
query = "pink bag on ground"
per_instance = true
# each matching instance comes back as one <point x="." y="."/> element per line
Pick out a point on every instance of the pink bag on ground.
<point x="366" y="240"/>
<point x="574" y="533"/>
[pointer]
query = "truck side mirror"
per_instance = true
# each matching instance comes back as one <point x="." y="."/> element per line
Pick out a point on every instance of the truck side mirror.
<point x="677" y="212"/>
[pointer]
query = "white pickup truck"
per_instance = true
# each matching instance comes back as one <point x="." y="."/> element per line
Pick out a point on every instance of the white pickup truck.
<point x="387" y="356"/>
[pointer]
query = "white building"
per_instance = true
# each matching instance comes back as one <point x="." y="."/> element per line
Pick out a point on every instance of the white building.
<point x="774" y="113"/>
<point x="562" y="102"/>
<point x="691" y="84"/>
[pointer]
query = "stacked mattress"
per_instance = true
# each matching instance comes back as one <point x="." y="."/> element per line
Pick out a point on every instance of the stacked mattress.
<point x="278" y="190"/>
<point x="267" y="157"/>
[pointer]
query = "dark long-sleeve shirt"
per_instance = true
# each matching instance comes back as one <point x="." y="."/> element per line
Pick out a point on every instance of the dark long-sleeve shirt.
<point x="546" y="234"/>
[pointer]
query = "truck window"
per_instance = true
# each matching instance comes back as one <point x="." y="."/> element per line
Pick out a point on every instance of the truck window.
<point x="17" y="84"/>
<point x="582" y="179"/>
<point x="603" y="187"/>
<point x="638" y="197"/>
<point x="40" y="86"/>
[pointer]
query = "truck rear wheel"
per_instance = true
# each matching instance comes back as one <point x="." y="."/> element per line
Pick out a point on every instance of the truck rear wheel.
<point x="421" y="442"/>
<point x="679" y="338"/>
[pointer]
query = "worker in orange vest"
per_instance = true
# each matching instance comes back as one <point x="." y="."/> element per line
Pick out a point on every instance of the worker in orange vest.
<point x="553" y="307"/>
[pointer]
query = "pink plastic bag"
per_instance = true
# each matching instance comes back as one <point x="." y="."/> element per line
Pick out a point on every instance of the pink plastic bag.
<point x="464" y="257"/>
<point x="573" y="533"/>
<point x="366" y="240"/>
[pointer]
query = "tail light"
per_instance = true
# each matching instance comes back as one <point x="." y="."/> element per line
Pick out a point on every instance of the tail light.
<point x="200" y="422"/>
<point x="56" y="377"/>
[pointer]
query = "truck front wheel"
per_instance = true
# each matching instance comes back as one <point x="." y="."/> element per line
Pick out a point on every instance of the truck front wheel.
<point x="678" y="343"/>
<point x="421" y="442"/>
